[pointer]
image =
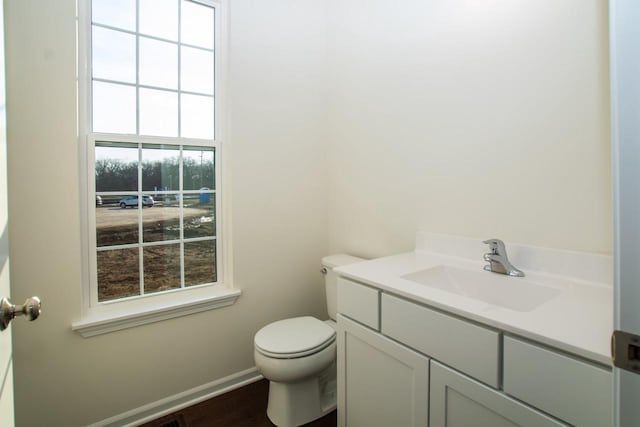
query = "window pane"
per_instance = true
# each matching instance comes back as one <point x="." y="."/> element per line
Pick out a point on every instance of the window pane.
<point x="163" y="221"/>
<point x="115" y="13"/>
<point x="118" y="274"/>
<point x="197" y="116"/>
<point x="114" y="55"/>
<point x="196" y="70"/>
<point x="161" y="267"/>
<point x="116" y="220"/>
<point x="158" y="63"/>
<point x="159" y="18"/>
<point x="199" y="215"/>
<point x="199" y="262"/>
<point x="198" y="168"/>
<point x="116" y="168"/>
<point x="197" y="24"/>
<point x="160" y="168"/>
<point x="114" y="108"/>
<point x="158" y="113"/>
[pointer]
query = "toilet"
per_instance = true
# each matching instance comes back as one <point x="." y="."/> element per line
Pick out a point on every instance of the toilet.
<point x="298" y="358"/>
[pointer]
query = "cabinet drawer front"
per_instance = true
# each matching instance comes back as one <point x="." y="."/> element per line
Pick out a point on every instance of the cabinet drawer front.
<point x="465" y="346"/>
<point x="572" y="390"/>
<point x="359" y="302"/>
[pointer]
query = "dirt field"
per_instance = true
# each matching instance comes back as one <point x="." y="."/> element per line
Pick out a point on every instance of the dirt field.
<point x="118" y="270"/>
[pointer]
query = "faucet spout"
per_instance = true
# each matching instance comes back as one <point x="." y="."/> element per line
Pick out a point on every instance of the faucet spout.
<point x="498" y="260"/>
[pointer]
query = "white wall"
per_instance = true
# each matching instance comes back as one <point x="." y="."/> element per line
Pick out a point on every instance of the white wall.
<point x="277" y="132"/>
<point x="486" y="119"/>
<point x="477" y="118"/>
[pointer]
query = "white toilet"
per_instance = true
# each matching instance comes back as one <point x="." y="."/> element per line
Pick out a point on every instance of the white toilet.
<point x="298" y="357"/>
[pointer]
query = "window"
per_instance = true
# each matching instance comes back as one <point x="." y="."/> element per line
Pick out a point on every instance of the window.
<point x="152" y="68"/>
<point x="155" y="217"/>
<point x="148" y="110"/>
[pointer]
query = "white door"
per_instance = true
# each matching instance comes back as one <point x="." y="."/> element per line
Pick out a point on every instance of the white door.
<point x="6" y="369"/>
<point x="625" y="125"/>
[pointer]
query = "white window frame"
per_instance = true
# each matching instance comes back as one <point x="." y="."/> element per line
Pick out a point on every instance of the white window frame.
<point x="103" y="317"/>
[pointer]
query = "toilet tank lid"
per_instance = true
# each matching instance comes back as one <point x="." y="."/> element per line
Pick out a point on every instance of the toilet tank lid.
<point x="338" y="260"/>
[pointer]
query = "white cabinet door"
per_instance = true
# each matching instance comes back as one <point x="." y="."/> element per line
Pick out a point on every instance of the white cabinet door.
<point x="380" y="383"/>
<point x="459" y="401"/>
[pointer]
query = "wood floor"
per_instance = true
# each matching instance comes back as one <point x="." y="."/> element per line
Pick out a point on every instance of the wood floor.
<point x="244" y="407"/>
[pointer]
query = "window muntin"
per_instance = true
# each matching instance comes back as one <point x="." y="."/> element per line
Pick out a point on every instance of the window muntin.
<point x="164" y="62"/>
<point x="157" y="204"/>
<point x="152" y="135"/>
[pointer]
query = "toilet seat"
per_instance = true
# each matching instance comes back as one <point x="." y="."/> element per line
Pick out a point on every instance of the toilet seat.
<point x="294" y="338"/>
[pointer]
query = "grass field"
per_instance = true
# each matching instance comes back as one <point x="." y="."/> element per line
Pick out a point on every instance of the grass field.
<point x="118" y="269"/>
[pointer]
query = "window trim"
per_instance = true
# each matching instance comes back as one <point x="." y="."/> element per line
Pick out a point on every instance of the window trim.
<point x="97" y="318"/>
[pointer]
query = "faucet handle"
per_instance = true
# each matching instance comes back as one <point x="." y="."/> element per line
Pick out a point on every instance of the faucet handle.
<point x="496" y="246"/>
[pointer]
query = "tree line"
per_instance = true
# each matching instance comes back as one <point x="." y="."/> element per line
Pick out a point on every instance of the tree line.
<point x="114" y="175"/>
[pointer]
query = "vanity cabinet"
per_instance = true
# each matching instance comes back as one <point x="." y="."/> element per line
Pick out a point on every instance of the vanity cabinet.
<point x="381" y="383"/>
<point x="401" y="363"/>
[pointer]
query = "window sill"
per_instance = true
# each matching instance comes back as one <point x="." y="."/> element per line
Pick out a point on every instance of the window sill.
<point x="117" y="319"/>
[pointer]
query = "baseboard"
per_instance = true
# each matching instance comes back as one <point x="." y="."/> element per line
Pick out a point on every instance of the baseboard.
<point x="170" y="404"/>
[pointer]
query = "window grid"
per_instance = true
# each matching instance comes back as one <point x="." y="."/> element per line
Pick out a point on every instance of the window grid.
<point x="141" y="244"/>
<point x="158" y="243"/>
<point x="181" y="186"/>
<point x="140" y="215"/>
<point x="137" y="35"/>
<point x="160" y="39"/>
<point x="129" y="132"/>
<point x="137" y="83"/>
<point x="179" y="87"/>
<point x="141" y="86"/>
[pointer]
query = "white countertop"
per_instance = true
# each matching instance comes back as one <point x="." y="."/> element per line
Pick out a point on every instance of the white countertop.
<point x="579" y="320"/>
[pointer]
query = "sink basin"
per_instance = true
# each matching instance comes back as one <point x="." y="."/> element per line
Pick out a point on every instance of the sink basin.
<point x="515" y="293"/>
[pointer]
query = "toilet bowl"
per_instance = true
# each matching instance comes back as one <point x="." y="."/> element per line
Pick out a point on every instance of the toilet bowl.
<point x="298" y="356"/>
<point x="298" y="392"/>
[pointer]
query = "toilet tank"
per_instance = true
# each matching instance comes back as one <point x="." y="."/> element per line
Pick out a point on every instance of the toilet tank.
<point x="331" y="279"/>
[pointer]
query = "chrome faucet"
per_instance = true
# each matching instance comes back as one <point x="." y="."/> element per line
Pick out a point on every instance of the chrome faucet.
<point x="497" y="259"/>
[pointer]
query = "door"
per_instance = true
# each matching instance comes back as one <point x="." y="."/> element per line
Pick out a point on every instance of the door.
<point x="6" y="371"/>
<point x="380" y="383"/>
<point x="625" y="138"/>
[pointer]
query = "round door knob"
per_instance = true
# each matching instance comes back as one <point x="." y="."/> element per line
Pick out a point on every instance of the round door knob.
<point x="31" y="309"/>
